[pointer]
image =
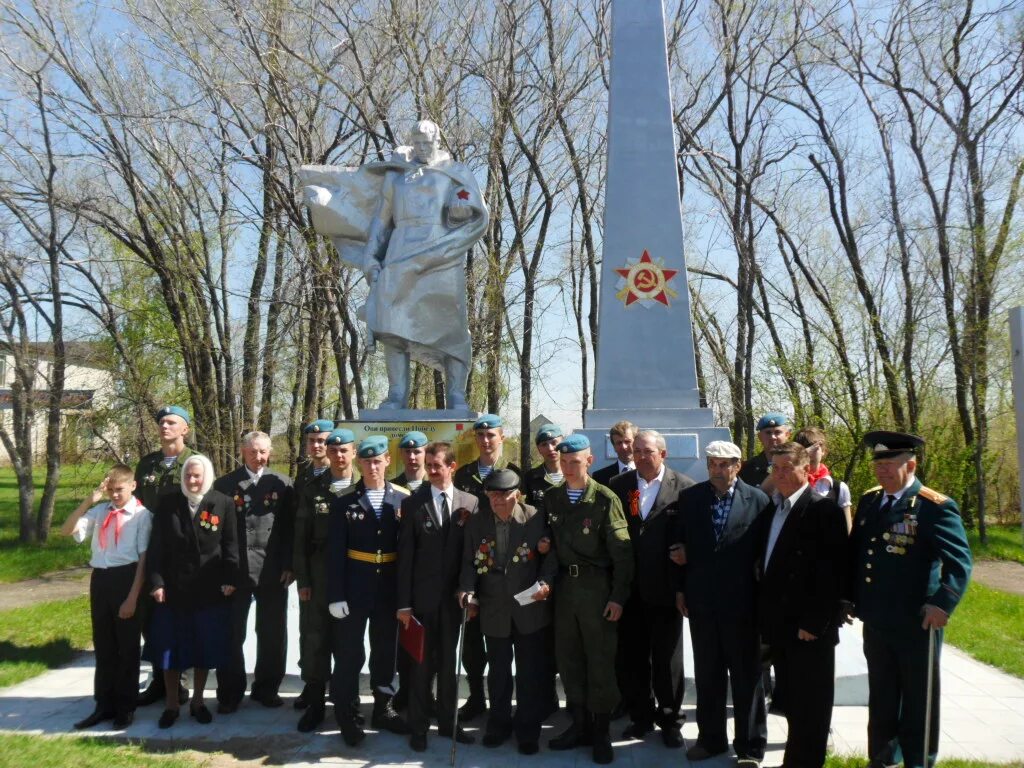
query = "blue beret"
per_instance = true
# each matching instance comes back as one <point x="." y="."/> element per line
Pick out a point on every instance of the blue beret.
<point x="341" y="437"/>
<point x="320" y="425"/>
<point x="773" y="419"/>
<point x="548" y="432"/>
<point x="573" y="443"/>
<point x="413" y="440"/>
<point x="487" y="421"/>
<point x="374" y="445"/>
<point x="173" y="410"/>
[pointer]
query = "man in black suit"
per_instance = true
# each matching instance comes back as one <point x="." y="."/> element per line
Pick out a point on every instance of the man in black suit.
<point x="430" y="548"/>
<point x="799" y="602"/>
<point x="621" y="435"/>
<point x="262" y="500"/>
<point x="651" y="629"/>
<point x="501" y="559"/>
<point x="720" y="531"/>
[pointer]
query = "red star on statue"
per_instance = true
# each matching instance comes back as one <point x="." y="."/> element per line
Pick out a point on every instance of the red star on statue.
<point x="462" y="194"/>
<point x="647" y="280"/>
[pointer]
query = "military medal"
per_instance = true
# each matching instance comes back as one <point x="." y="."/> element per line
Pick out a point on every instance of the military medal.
<point x="586" y="525"/>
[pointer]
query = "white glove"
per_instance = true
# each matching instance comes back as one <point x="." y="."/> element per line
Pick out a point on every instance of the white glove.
<point x="339" y="610"/>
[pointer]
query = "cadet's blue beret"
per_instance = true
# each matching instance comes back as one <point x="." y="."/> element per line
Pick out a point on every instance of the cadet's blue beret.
<point x="413" y="440"/>
<point x="773" y="419"/>
<point x="548" y="432"/>
<point x="173" y="410"/>
<point x="341" y="437"/>
<point x="374" y="445"/>
<point x="573" y="443"/>
<point x="487" y="421"/>
<point x="320" y="425"/>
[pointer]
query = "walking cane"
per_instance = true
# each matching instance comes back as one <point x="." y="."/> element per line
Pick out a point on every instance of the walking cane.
<point x="458" y="673"/>
<point x="928" y="700"/>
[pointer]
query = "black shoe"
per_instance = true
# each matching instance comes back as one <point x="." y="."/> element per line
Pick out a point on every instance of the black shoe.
<point x="154" y="692"/>
<point x="301" y="701"/>
<point x="460" y="735"/>
<point x="384" y="717"/>
<point x="201" y="714"/>
<point x="495" y="738"/>
<point x="672" y="737"/>
<point x="123" y="720"/>
<point x="637" y="730"/>
<point x="699" y="752"/>
<point x="182" y="694"/>
<point x="418" y="742"/>
<point x="311" y="718"/>
<point x="473" y="708"/>
<point x="602" y="753"/>
<point x="577" y="734"/>
<point x="528" y="748"/>
<point x="227" y="707"/>
<point x="95" y="718"/>
<point x="350" y="732"/>
<point x="167" y="718"/>
<point x="270" y="701"/>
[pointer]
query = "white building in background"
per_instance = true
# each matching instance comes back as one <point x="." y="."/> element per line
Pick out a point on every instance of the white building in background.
<point x="88" y="389"/>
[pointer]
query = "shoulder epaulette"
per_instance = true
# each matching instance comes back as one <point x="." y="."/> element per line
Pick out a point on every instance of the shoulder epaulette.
<point x="932" y="495"/>
<point x="402" y="490"/>
<point x="876" y="489"/>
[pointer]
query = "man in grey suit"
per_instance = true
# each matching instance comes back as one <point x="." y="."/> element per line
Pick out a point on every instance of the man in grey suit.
<point x="719" y="533"/>
<point x="501" y="559"/>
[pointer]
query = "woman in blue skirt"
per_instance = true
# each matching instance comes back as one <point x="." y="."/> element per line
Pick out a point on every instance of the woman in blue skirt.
<point x="192" y="565"/>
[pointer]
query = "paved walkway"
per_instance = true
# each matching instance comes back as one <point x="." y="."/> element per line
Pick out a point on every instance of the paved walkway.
<point x="982" y="719"/>
<point x="999" y="574"/>
<point x="59" y="585"/>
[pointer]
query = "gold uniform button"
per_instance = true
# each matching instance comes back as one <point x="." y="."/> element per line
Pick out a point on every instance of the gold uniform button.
<point x="868" y="565"/>
<point x="871" y="551"/>
<point x="867" y="579"/>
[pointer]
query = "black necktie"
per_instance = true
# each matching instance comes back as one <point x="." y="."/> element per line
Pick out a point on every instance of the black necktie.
<point x="886" y="504"/>
<point x="445" y="514"/>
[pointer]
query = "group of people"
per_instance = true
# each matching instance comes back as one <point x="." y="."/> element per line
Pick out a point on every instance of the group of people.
<point x="587" y="578"/>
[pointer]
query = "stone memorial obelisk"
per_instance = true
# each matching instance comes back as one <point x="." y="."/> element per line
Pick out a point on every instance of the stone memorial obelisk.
<point x="646" y="369"/>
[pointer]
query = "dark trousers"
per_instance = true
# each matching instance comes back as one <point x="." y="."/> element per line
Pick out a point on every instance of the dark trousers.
<point x="349" y="651"/>
<point x="652" y="639"/>
<point x="440" y="640"/>
<point x="897" y="695"/>
<point x="531" y="669"/>
<point x="116" y="640"/>
<point x="315" y="643"/>
<point x="474" y="654"/>
<point x="271" y="642"/>
<point x="727" y="648"/>
<point x="806" y="670"/>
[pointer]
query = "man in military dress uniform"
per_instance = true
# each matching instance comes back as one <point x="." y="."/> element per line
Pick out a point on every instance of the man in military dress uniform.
<point x="911" y="564"/>
<point x="310" y="562"/>
<point x="489" y="436"/>
<point x="158" y="473"/>
<point x="412" y="445"/>
<point x="362" y="589"/>
<point x="262" y="501"/>
<point x="595" y="562"/>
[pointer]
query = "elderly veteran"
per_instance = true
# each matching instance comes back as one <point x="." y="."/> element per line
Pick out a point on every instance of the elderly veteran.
<point x="720" y="530"/>
<point x="910" y="567"/>
<point x="157" y="474"/>
<point x="362" y="589"/>
<point x="489" y="436"/>
<point x="412" y="446"/>
<point x="310" y="562"/>
<point x="773" y="429"/>
<point x="501" y="560"/>
<point x="591" y="542"/>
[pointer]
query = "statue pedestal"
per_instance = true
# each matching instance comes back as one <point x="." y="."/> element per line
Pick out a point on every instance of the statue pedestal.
<point x="417" y="414"/>
<point x="455" y="427"/>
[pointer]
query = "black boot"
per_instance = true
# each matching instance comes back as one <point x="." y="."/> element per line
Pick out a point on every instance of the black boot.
<point x="573" y="736"/>
<point x="350" y="730"/>
<point x="315" y="708"/>
<point x="384" y="717"/>
<point x="602" y="741"/>
<point x="476" y="704"/>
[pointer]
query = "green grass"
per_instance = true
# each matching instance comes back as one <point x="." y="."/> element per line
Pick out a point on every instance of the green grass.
<point x="20" y="750"/>
<point x="989" y="625"/>
<point x="848" y="761"/>
<point x="1005" y="542"/>
<point x="17" y="561"/>
<point x="40" y="637"/>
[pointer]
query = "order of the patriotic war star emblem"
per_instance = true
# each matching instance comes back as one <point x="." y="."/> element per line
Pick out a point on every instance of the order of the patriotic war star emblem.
<point x="646" y="280"/>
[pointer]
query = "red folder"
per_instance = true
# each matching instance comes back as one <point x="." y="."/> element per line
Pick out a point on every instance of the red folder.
<point x="413" y="638"/>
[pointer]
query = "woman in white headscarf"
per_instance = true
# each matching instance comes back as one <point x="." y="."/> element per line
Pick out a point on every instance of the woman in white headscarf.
<point x="192" y="565"/>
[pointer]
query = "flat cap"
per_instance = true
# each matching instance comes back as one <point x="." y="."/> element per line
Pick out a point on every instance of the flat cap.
<point x="885" y="445"/>
<point x="722" y="449"/>
<point x="320" y="425"/>
<point x="501" y="480"/>
<point x="341" y="437"/>
<point x="373" y="445"/>
<point x="488" y="421"/>
<point x="173" y="410"/>
<point x="574" y="443"/>
<point x="548" y="432"/>
<point x="772" y="419"/>
<point x="413" y="440"/>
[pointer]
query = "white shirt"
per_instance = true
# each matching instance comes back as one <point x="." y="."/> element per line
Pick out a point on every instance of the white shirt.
<point x="824" y="486"/>
<point x="254" y="476"/>
<point x="899" y="494"/>
<point x="448" y="493"/>
<point x="649" y="491"/>
<point x="782" y="508"/>
<point x="625" y="467"/>
<point x="122" y="549"/>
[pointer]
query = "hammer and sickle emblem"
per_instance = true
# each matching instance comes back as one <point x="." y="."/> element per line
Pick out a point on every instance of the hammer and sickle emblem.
<point x="645" y="280"/>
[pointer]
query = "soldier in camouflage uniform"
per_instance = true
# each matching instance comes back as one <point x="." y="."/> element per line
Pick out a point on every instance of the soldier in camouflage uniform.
<point x="596" y="566"/>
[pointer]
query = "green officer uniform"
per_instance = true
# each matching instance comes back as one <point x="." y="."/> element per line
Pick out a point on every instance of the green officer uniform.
<point x="595" y="562"/>
<point x="906" y="553"/>
<point x="154" y="478"/>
